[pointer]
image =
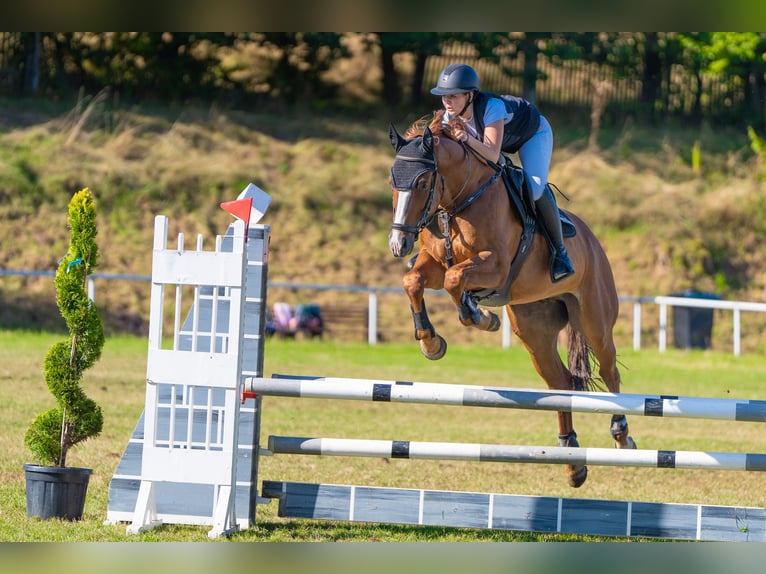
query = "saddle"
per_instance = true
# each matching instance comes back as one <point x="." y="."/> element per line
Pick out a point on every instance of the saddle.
<point x="519" y="192"/>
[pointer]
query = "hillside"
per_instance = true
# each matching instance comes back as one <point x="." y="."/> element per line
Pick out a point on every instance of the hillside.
<point x="667" y="225"/>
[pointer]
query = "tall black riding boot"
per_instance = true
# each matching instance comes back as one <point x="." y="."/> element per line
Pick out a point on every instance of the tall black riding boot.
<point x="548" y="213"/>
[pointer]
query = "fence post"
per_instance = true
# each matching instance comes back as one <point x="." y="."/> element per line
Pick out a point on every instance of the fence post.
<point x="91" y="289"/>
<point x="506" y="330"/>
<point x="663" y="326"/>
<point x="372" y="318"/>
<point x="637" y="326"/>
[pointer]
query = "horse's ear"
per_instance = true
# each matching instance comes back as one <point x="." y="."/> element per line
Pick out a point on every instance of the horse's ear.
<point x="428" y="141"/>
<point x="397" y="141"/>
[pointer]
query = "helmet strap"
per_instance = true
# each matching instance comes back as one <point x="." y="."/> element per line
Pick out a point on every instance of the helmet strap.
<point x="468" y="102"/>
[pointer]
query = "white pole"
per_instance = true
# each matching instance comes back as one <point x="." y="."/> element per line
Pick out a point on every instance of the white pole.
<point x="517" y="453"/>
<point x="505" y="397"/>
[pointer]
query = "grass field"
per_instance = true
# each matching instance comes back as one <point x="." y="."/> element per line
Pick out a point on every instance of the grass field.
<point x="117" y="383"/>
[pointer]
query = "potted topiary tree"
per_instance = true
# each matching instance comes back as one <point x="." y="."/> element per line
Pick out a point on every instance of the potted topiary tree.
<point x="53" y="489"/>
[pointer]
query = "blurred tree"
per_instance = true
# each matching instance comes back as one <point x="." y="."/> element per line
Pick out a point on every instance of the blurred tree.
<point x="719" y="74"/>
<point x="172" y="66"/>
<point x="651" y="75"/>
<point x="421" y="45"/>
<point x="738" y="57"/>
<point x="302" y="59"/>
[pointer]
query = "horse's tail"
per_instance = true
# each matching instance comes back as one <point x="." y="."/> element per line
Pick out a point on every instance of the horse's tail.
<point x="581" y="360"/>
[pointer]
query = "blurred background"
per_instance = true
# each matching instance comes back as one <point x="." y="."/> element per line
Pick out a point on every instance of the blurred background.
<point x="659" y="147"/>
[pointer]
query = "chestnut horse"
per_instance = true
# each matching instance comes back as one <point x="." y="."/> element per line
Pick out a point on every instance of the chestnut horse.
<point x="470" y="234"/>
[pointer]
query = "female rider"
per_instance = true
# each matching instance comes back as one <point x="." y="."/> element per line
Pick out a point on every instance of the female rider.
<point x="511" y="125"/>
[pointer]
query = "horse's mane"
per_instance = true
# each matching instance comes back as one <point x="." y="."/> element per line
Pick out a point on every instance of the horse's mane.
<point x="435" y="125"/>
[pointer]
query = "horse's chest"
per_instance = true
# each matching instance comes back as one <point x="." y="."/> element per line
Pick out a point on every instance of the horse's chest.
<point x="460" y="245"/>
<point x="467" y="238"/>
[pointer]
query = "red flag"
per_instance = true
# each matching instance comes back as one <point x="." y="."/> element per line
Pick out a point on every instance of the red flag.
<point x="240" y="209"/>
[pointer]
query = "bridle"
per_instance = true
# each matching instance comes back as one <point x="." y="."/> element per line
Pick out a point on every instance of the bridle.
<point x="425" y="219"/>
<point x="437" y="222"/>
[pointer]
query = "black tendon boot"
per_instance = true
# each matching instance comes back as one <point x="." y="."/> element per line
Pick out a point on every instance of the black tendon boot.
<point x="548" y="213"/>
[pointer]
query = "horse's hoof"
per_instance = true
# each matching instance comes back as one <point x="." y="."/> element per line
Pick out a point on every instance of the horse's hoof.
<point x="577" y="478"/>
<point x="494" y="322"/>
<point x="440" y="351"/>
<point x="629" y="443"/>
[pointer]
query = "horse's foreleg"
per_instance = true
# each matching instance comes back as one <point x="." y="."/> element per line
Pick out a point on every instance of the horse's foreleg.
<point x="474" y="273"/>
<point x="470" y="314"/>
<point x="432" y="345"/>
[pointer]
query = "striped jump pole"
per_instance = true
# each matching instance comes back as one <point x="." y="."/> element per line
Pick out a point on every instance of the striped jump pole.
<point x="520" y="454"/>
<point x="509" y="511"/>
<point x="503" y="397"/>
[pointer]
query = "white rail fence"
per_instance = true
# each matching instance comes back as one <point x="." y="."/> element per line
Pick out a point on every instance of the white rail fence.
<point x="662" y="303"/>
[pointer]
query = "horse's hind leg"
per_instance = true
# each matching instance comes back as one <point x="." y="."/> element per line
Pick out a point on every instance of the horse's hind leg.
<point x="538" y="326"/>
<point x="596" y="324"/>
<point x="620" y="432"/>
<point x="576" y="473"/>
<point x="606" y="357"/>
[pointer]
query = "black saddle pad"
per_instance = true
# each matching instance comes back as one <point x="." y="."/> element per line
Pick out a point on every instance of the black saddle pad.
<point x="567" y="226"/>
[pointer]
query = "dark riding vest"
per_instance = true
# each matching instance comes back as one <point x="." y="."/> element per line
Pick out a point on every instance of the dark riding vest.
<point x="523" y="124"/>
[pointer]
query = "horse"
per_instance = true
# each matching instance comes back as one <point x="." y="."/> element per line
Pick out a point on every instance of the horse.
<point x="470" y="238"/>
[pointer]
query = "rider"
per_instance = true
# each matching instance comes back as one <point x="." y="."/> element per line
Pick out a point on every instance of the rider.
<point x="492" y="128"/>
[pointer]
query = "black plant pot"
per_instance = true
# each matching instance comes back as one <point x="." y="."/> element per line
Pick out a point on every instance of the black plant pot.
<point x="56" y="492"/>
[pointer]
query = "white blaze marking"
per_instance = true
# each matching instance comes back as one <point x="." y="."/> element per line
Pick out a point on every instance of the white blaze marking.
<point x="401" y="206"/>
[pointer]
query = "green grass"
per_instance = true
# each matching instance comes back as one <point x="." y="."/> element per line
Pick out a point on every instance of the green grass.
<point x="117" y="383"/>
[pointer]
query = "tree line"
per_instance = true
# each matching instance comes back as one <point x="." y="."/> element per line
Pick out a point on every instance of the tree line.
<point x="702" y="75"/>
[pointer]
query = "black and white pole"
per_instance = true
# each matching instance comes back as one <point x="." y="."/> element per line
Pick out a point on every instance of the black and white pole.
<point x="678" y="459"/>
<point x="503" y="397"/>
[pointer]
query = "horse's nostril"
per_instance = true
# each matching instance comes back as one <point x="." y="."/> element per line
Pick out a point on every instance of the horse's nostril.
<point x="400" y="244"/>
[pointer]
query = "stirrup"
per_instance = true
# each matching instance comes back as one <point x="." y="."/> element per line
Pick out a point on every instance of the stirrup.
<point x="561" y="266"/>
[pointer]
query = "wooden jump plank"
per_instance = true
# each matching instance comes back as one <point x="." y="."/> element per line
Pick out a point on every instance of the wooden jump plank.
<point x="617" y="518"/>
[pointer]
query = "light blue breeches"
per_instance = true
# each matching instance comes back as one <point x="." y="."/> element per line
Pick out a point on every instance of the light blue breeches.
<point x="535" y="157"/>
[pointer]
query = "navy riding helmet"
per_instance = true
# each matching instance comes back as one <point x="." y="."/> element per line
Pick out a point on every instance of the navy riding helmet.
<point x="456" y="79"/>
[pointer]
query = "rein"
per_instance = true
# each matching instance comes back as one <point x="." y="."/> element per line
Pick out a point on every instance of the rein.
<point x="445" y="216"/>
<point x="474" y="196"/>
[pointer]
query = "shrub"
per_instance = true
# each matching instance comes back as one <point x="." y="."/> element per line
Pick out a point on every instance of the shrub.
<point x="76" y="417"/>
